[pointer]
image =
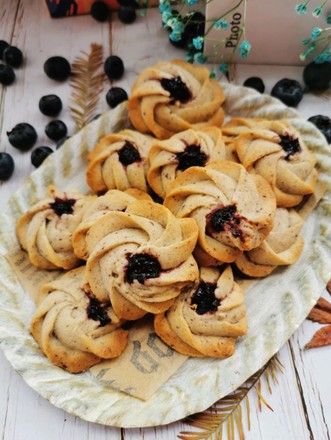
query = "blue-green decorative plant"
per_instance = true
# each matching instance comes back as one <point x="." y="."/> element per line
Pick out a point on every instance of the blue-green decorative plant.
<point x="319" y="42"/>
<point x="178" y="21"/>
<point x="180" y="16"/>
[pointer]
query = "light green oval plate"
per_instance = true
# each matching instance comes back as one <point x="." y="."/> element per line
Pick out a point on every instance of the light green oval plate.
<point x="276" y="305"/>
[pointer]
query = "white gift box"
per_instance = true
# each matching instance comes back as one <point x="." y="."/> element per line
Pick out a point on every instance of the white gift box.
<point x="273" y="28"/>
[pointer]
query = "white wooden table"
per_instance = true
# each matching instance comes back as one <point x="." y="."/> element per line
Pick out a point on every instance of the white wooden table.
<point x="301" y="401"/>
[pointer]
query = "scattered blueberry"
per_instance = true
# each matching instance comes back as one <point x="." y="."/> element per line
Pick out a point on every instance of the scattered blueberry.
<point x="100" y="11"/>
<point x="57" y="68"/>
<point x="23" y="136"/>
<point x="7" y="75"/>
<point x="174" y="14"/>
<point x="317" y="77"/>
<point x="7" y="166"/>
<point x="3" y="46"/>
<point x="323" y="123"/>
<point x="194" y="26"/>
<point x="113" y="67"/>
<point x="129" y="3"/>
<point x="39" y="155"/>
<point x="61" y="142"/>
<point x="50" y="105"/>
<point x="289" y="91"/>
<point x="56" y="130"/>
<point x="115" y="96"/>
<point x="255" y="83"/>
<point x="13" y="56"/>
<point x="126" y="14"/>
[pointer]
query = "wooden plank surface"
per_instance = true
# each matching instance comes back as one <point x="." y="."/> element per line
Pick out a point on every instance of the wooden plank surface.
<point x="301" y="401"/>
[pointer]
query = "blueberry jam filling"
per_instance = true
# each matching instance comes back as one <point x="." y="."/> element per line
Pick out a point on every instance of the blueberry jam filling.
<point x="97" y="312"/>
<point x="290" y="145"/>
<point x="177" y="88"/>
<point x="204" y="300"/>
<point x="63" y="206"/>
<point x="128" y="154"/>
<point x="192" y="156"/>
<point x="141" y="267"/>
<point x="225" y="218"/>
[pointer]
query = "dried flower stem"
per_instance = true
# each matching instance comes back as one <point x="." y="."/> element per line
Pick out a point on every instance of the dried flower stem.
<point x="87" y="84"/>
<point x="229" y="409"/>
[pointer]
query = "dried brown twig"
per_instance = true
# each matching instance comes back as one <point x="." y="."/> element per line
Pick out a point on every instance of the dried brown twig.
<point x="227" y="413"/>
<point x="87" y="84"/>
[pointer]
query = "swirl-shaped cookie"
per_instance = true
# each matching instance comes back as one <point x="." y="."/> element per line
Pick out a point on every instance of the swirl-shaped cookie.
<point x="207" y="318"/>
<point x="72" y="328"/>
<point x="119" y="161"/>
<point x="278" y="153"/>
<point x="45" y="230"/>
<point x="113" y="200"/>
<point x="174" y="96"/>
<point x="282" y="246"/>
<point x="141" y="258"/>
<point x="234" y="210"/>
<point x="170" y="157"/>
<point x="236" y="126"/>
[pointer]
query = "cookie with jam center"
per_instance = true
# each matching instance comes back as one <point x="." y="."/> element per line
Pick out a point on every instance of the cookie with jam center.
<point x="173" y="96"/>
<point x="168" y="158"/>
<point x="276" y="151"/>
<point x="72" y="327"/>
<point x="140" y="258"/>
<point x="45" y="230"/>
<point x="119" y="161"/>
<point x="233" y="209"/>
<point x="206" y="319"/>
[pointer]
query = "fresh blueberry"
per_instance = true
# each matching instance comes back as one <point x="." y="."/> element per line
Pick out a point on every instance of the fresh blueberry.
<point x="194" y="25"/>
<point x="174" y="14"/>
<point x="23" y="136"/>
<point x="115" y="96"/>
<point x="39" y="155"/>
<point x="126" y="14"/>
<point x="255" y="83"/>
<point x="7" y="166"/>
<point x="7" y="75"/>
<point x="50" y="105"/>
<point x="113" y="67"/>
<point x="13" y="56"/>
<point x="57" y="68"/>
<point x="3" y="46"/>
<point x="129" y="3"/>
<point x="289" y="91"/>
<point x="323" y="123"/>
<point x="100" y="11"/>
<point x="317" y="77"/>
<point x="56" y="130"/>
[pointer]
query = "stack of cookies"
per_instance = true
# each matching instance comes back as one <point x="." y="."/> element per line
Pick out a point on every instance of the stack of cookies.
<point x="180" y="200"/>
